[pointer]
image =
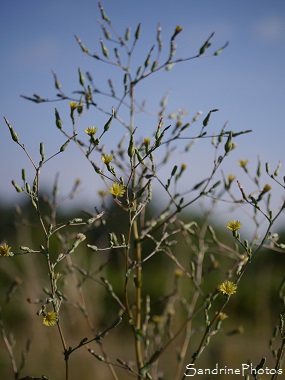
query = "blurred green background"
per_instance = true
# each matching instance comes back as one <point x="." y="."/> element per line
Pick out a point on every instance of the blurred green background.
<point x="244" y="336"/>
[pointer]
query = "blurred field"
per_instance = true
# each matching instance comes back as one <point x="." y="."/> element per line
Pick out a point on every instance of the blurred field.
<point x="244" y="336"/>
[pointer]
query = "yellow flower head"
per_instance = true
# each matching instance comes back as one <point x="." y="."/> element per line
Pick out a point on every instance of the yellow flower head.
<point x="50" y="319"/>
<point x="228" y="288"/>
<point x="117" y="189"/>
<point x="266" y="188"/>
<point x="222" y="316"/>
<point x="234" y="225"/>
<point x="171" y="312"/>
<point x="231" y="178"/>
<point x="178" y="29"/>
<point x="243" y="163"/>
<point x="5" y="250"/>
<point x="102" y="193"/>
<point x="178" y="273"/>
<point x="158" y="319"/>
<point x="107" y="158"/>
<point x="73" y="105"/>
<point x="90" y="131"/>
<point x="178" y="123"/>
<point x="146" y="141"/>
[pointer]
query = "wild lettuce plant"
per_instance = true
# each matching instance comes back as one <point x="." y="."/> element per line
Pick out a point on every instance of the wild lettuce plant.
<point x="196" y="267"/>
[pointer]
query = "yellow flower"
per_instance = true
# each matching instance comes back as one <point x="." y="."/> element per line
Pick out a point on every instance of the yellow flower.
<point x="171" y="312"/>
<point x="57" y="276"/>
<point x="90" y="131"/>
<point x="231" y="178"/>
<point x="228" y="288"/>
<point x="178" y="123"/>
<point x="107" y="158"/>
<point x="102" y="193"/>
<point x="146" y="141"/>
<point x="266" y="188"/>
<point x="73" y="105"/>
<point x="117" y="189"/>
<point x="178" y="29"/>
<point x="5" y="250"/>
<point x="222" y="316"/>
<point x="178" y="273"/>
<point x="158" y="319"/>
<point x="50" y="319"/>
<point x="243" y="163"/>
<point x="234" y="225"/>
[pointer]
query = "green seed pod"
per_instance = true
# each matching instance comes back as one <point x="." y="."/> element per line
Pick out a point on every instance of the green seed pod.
<point x="154" y="65"/>
<point x="58" y="120"/>
<point x="277" y="170"/>
<point x="13" y="133"/>
<point x="174" y="171"/>
<point x="111" y="169"/>
<point x="258" y="170"/>
<point x="106" y="33"/>
<point x="23" y="175"/>
<point x="35" y="185"/>
<point x="103" y="14"/>
<point x="82" y="47"/>
<point x="142" y="190"/>
<point x="110" y="83"/>
<point x="62" y="148"/>
<point x="131" y="148"/>
<point x="34" y="204"/>
<point x="96" y="168"/>
<point x="146" y="63"/>
<point x="104" y="49"/>
<point x="81" y="77"/>
<point x="28" y="188"/>
<point x="17" y="188"/>
<point x="228" y="144"/>
<point x="217" y="52"/>
<point x="127" y="34"/>
<point x="93" y="247"/>
<point x="157" y="133"/>
<point x="99" y="357"/>
<point x="206" y="45"/>
<point x="26" y="249"/>
<point x="138" y="155"/>
<point x="220" y="137"/>
<point x="215" y="185"/>
<point x="56" y="82"/>
<point x="138" y="31"/>
<point x="80" y="108"/>
<point x="138" y="71"/>
<point x="42" y="151"/>
<point x="108" y="124"/>
<point x="117" y="54"/>
<point x="207" y="118"/>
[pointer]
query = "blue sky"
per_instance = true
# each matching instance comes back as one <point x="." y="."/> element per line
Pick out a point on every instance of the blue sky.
<point x="246" y="82"/>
